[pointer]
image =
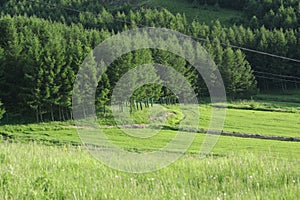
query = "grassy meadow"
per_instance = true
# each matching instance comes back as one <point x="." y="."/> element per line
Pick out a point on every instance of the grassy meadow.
<point x="270" y="118"/>
<point x="31" y="171"/>
<point x="48" y="161"/>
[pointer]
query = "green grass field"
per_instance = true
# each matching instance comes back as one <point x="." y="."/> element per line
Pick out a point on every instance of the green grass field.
<point x="31" y="171"/>
<point x="253" y="121"/>
<point x="271" y="118"/>
<point x="245" y="118"/>
<point x="48" y="161"/>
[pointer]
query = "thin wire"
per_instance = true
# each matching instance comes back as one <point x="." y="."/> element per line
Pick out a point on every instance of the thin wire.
<point x="278" y="75"/>
<point x="262" y="53"/>
<point x="60" y="6"/>
<point x="205" y="40"/>
<point x="279" y="79"/>
<point x="84" y="12"/>
<point x="198" y="38"/>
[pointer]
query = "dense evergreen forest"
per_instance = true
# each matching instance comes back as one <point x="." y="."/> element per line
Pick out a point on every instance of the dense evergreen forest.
<point x="268" y="13"/>
<point x="42" y="45"/>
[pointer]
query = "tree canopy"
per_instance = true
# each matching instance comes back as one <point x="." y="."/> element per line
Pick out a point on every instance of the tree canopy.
<point x="43" y="46"/>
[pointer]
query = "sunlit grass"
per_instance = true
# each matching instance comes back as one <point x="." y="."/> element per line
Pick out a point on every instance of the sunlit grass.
<point x="31" y="171"/>
<point x="40" y="161"/>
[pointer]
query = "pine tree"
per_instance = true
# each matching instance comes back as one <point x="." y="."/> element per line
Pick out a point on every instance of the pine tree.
<point x="84" y="90"/>
<point x="66" y="78"/>
<point x="12" y="68"/>
<point x="102" y="93"/>
<point x="2" y="110"/>
<point x="227" y="70"/>
<point x="33" y="75"/>
<point x="244" y="78"/>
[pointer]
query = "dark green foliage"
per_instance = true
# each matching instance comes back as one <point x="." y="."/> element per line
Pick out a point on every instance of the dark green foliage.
<point x="270" y="13"/>
<point x="233" y="4"/>
<point x="275" y="13"/>
<point x="38" y="68"/>
<point x="2" y="110"/>
<point x="41" y="57"/>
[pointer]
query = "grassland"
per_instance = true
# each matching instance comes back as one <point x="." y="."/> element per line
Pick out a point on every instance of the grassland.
<point x="31" y="171"/>
<point x="47" y="160"/>
<point x="225" y="145"/>
<point x="251" y="117"/>
<point x="240" y="119"/>
<point x="271" y="118"/>
<point x="254" y="121"/>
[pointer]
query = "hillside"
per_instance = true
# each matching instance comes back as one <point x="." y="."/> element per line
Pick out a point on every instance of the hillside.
<point x="205" y="104"/>
<point x="201" y="13"/>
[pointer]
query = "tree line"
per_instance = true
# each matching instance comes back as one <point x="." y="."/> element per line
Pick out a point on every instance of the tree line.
<point x="41" y="58"/>
<point x="42" y="47"/>
<point x="270" y="13"/>
<point x="282" y="41"/>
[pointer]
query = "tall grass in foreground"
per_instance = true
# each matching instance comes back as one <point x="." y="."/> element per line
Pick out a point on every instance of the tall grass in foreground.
<point x="31" y="171"/>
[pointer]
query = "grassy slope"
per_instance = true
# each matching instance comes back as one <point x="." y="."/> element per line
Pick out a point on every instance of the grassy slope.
<point x="202" y="14"/>
<point x="237" y="120"/>
<point x="239" y="168"/>
<point x="58" y="133"/>
<point x="41" y="172"/>
<point x="224" y="146"/>
<point x="258" y="122"/>
<point x="284" y="123"/>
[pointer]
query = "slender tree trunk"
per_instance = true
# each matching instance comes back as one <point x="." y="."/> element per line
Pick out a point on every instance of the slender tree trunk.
<point x="282" y="87"/>
<point x="68" y="115"/>
<point x="37" y="115"/>
<point x="141" y="105"/>
<point x="131" y="106"/>
<point x="84" y="112"/>
<point x="285" y="86"/>
<point x="62" y="114"/>
<point x="51" y="112"/>
<point x="59" y="113"/>
<point x="41" y="114"/>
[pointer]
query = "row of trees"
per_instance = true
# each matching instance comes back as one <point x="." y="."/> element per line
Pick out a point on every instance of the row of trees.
<point x="39" y="63"/>
<point x="41" y="58"/>
<point x="273" y="14"/>
<point x="284" y="42"/>
<point x="270" y="13"/>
